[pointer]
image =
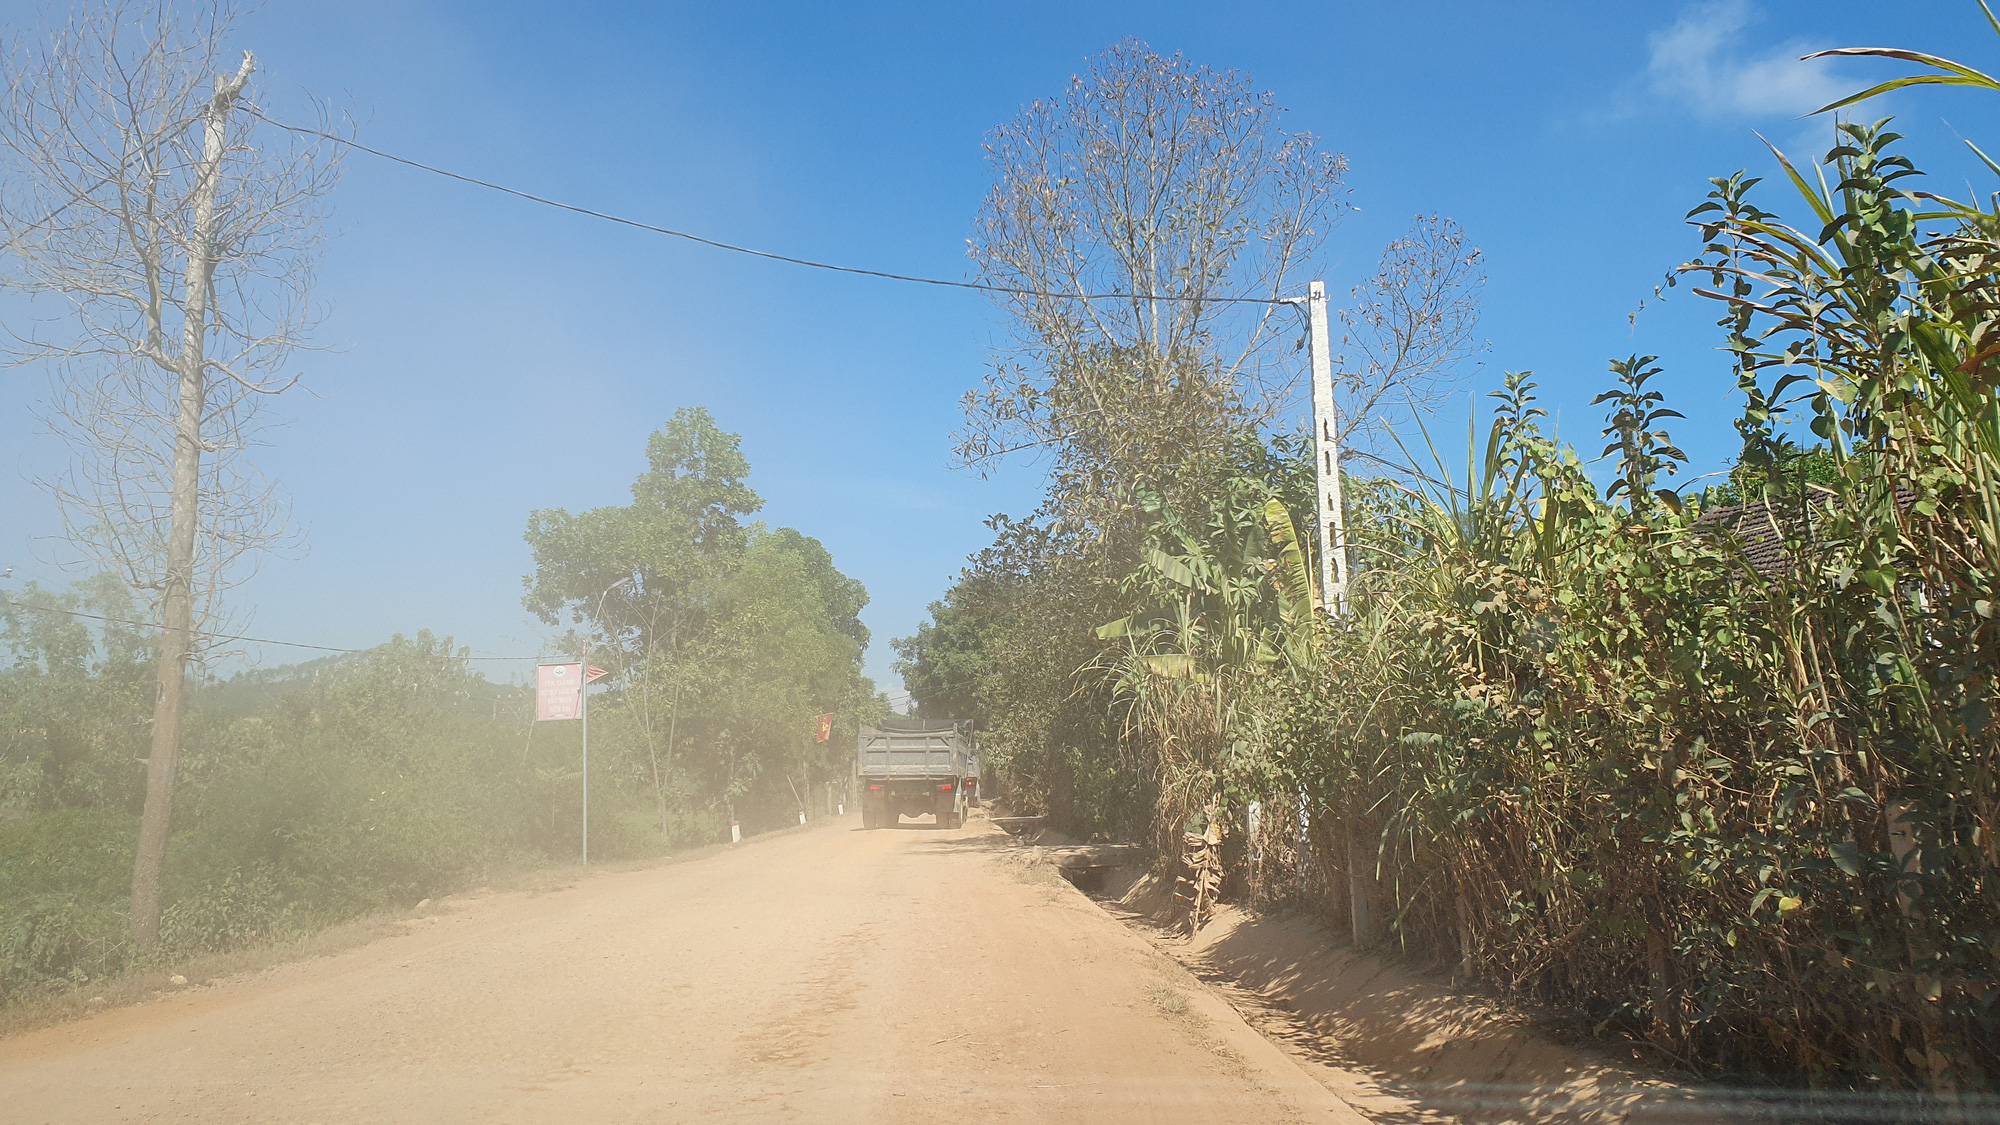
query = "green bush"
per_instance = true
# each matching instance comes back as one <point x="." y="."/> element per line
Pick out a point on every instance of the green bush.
<point x="63" y="880"/>
<point x="360" y="782"/>
<point x="235" y="910"/>
<point x="52" y="941"/>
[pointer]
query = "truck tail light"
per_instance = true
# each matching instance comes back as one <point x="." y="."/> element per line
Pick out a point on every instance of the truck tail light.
<point x="877" y="788"/>
<point x="944" y="788"/>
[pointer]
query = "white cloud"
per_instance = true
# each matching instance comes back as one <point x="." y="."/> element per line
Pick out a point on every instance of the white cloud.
<point x="1701" y="60"/>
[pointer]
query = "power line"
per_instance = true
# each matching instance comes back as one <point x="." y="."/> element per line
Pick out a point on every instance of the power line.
<point x="220" y="636"/>
<point x="982" y="286"/>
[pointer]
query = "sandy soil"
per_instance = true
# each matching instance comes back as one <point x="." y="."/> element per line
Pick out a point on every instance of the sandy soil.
<point x="827" y="975"/>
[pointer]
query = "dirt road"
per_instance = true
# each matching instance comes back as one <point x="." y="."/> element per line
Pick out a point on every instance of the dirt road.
<point x="827" y="975"/>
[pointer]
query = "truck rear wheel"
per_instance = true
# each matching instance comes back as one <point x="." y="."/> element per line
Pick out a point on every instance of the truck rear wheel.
<point x="947" y="815"/>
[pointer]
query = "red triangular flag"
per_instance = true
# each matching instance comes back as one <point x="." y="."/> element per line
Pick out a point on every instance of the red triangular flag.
<point x="594" y="674"/>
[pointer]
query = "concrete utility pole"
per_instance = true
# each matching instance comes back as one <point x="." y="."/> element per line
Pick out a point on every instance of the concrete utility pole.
<point x="1326" y="459"/>
<point x="1333" y="578"/>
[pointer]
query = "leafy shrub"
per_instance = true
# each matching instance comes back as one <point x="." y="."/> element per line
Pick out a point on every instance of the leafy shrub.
<point x="52" y="941"/>
<point x="238" y="909"/>
<point x="63" y="879"/>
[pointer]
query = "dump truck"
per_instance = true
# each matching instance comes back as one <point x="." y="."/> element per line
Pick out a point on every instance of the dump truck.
<point x="909" y="767"/>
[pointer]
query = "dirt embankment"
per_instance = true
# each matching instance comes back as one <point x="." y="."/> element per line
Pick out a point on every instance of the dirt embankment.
<point x="1394" y="1043"/>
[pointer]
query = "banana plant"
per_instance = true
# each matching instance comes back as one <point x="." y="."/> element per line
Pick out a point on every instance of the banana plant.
<point x="1230" y="595"/>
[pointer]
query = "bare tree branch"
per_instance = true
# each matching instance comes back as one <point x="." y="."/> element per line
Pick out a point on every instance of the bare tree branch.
<point x="1410" y="328"/>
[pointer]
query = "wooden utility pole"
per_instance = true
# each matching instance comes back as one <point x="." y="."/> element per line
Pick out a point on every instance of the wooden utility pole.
<point x="177" y="594"/>
<point x="1333" y="579"/>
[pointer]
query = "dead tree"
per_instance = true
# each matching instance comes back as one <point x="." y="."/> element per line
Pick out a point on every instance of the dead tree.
<point x="1125" y="212"/>
<point x="166" y="257"/>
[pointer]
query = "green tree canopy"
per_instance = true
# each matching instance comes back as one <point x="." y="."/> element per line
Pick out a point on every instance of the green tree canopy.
<point x="682" y="524"/>
<point x="725" y="638"/>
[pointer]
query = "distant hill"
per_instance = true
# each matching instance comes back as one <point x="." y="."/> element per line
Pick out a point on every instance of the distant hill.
<point x="259" y="690"/>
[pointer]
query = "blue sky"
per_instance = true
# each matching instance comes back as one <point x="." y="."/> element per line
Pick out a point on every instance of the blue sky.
<point x="491" y="357"/>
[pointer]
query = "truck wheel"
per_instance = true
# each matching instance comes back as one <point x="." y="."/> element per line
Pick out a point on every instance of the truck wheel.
<point x="948" y="817"/>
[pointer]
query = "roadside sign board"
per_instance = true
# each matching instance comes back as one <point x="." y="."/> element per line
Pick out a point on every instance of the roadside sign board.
<point x="558" y="691"/>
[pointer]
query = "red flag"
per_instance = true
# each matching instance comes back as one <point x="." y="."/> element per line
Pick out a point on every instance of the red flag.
<point x="596" y="674"/>
<point x="825" y="724"/>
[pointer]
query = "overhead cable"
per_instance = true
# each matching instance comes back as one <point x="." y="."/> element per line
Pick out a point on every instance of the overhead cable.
<point x="979" y="285"/>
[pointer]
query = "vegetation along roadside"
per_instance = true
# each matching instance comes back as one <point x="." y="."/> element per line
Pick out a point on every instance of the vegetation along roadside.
<point x="352" y="784"/>
<point x="1714" y="769"/>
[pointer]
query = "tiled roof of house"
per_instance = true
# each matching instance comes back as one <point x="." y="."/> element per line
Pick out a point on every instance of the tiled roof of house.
<point x="1762" y="527"/>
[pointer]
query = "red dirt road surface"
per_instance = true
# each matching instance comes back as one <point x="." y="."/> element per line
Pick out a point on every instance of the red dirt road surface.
<point x="826" y="975"/>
